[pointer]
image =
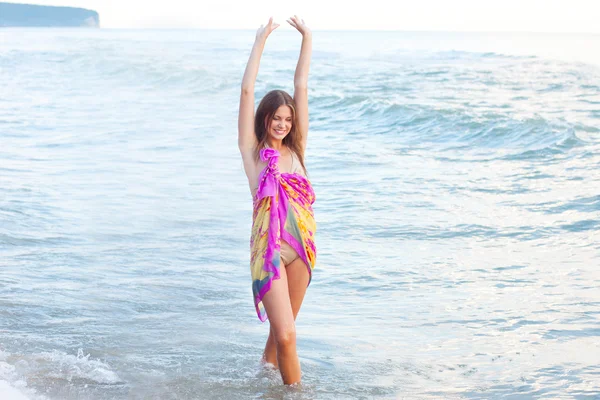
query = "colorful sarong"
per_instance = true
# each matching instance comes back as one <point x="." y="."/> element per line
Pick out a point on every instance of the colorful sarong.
<point x="282" y="210"/>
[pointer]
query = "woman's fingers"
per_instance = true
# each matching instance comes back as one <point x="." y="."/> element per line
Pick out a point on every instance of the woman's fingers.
<point x="297" y="23"/>
<point x="294" y="21"/>
<point x="272" y="25"/>
<point x="265" y="30"/>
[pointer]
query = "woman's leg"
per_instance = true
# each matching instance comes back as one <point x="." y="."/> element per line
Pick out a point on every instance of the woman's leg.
<point x="297" y="279"/>
<point x="283" y="329"/>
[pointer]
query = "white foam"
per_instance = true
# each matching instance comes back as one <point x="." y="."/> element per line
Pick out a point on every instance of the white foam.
<point x="7" y="392"/>
<point x="14" y="370"/>
<point x="12" y="385"/>
<point x="68" y="366"/>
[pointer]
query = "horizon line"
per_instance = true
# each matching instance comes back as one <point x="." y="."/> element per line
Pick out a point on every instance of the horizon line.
<point x="313" y="30"/>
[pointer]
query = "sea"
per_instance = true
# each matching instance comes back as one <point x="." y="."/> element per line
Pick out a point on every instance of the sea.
<point x="457" y="181"/>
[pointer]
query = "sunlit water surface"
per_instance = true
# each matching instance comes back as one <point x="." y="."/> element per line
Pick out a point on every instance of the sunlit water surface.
<point x="458" y="210"/>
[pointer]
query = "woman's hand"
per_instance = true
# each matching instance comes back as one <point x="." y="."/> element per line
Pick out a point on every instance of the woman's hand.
<point x="299" y="24"/>
<point x="264" y="31"/>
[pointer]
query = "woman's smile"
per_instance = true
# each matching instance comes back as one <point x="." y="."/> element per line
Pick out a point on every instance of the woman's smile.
<point x="281" y="124"/>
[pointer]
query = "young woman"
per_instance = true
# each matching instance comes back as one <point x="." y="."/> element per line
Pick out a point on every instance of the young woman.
<point x="272" y="143"/>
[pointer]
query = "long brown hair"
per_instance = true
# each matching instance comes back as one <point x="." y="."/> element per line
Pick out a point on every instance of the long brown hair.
<point x="264" y="115"/>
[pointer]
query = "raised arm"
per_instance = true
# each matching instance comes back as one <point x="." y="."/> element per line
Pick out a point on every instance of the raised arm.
<point x="246" y="137"/>
<point x="301" y="78"/>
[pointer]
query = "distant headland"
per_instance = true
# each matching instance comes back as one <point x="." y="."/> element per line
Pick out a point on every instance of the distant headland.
<point x="13" y="14"/>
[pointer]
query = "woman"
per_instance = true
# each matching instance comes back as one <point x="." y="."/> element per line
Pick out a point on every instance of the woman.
<point x="272" y="144"/>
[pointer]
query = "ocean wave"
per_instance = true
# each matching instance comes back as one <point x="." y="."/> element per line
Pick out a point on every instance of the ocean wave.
<point x="60" y="365"/>
<point x="10" y="392"/>
<point x="581" y="204"/>
<point x="13" y="385"/>
<point x="17" y="369"/>
<point x="453" y="128"/>
<point x="451" y="56"/>
<point x="112" y="68"/>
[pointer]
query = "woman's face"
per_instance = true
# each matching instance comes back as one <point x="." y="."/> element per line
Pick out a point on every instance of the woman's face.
<point x="281" y="124"/>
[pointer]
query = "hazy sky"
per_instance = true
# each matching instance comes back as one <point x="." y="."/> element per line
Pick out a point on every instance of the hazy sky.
<point x="430" y="15"/>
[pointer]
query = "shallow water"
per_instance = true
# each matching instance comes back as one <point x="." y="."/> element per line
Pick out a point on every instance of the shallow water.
<point x="457" y="206"/>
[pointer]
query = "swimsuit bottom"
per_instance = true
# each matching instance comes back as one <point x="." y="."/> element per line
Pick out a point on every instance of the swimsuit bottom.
<point x="287" y="253"/>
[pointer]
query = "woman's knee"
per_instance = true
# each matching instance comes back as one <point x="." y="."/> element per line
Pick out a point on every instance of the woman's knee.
<point x="286" y="337"/>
